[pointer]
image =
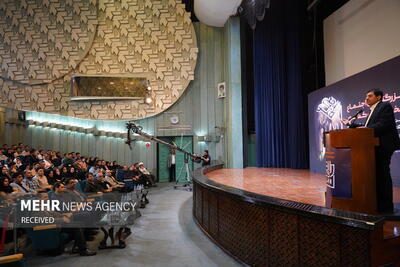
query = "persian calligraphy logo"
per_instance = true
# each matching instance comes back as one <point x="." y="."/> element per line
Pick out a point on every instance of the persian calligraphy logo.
<point x="330" y="174"/>
<point x="329" y="118"/>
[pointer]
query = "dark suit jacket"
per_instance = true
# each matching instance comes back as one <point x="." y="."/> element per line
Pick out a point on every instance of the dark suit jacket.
<point x="383" y="122"/>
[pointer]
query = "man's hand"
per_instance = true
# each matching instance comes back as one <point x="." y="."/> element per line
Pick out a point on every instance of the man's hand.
<point x="347" y="122"/>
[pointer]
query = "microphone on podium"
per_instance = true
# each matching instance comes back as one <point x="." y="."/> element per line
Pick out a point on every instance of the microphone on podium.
<point x="354" y="117"/>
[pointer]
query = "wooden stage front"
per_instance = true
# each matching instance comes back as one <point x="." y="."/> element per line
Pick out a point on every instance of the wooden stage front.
<point x="276" y="217"/>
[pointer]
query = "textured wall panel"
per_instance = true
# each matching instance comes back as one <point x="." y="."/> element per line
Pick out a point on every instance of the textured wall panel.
<point x="283" y="242"/>
<point x="319" y="243"/>
<point x="353" y="249"/>
<point x="43" y="43"/>
<point x="213" y="202"/>
<point x="243" y="230"/>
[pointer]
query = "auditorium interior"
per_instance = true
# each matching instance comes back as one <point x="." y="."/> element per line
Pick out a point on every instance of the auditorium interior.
<point x="199" y="133"/>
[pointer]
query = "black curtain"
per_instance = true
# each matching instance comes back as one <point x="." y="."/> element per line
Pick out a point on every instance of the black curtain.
<point x="278" y="94"/>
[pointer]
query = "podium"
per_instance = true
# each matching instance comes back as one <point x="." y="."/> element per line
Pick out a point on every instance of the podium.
<point x="350" y="170"/>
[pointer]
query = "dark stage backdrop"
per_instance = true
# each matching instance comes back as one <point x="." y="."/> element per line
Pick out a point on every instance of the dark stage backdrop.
<point x="328" y="105"/>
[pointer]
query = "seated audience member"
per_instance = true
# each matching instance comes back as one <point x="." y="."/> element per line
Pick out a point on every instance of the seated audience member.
<point x="41" y="179"/>
<point x="109" y="165"/>
<point x="94" y="169"/>
<point x="68" y="161"/>
<point x="64" y="173"/>
<point x="150" y="177"/>
<point x="103" y="165"/>
<point x="142" y="179"/>
<point x="28" y="182"/>
<point x="40" y="154"/>
<point x="9" y="153"/>
<point x="106" y="187"/>
<point x="72" y="173"/>
<point x="19" y="164"/>
<point x="57" y="174"/>
<point x="56" y="160"/>
<point x="4" y="147"/>
<point x="90" y="161"/>
<point x="30" y="159"/>
<point x="5" y="173"/>
<point x="112" y="181"/>
<point x="19" y="186"/>
<point x="135" y="175"/>
<point x="51" y="178"/>
<point x="92" y="186"/>
<point x="41" y="164"/>
<point x="114" y="166"/>
<point x="81" y="164"/>
<point x="47" y="162"/>
<point x="18" y="152"/>
<point x="3" y="158"/>
<point x="26" y="151"/>
<point x="74" y="195"/>
<point x="5" y="187"/>
<point x="12" y="169"/>
<point x="77" y="233"/>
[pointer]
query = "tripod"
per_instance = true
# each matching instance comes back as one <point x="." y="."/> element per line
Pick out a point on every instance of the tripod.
<point x="187" y="181"/>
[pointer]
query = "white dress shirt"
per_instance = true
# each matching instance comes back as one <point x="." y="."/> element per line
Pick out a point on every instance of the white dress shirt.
<point x="372" y="108"/>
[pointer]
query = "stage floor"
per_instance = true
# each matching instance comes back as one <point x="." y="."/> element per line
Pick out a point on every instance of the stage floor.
<point x="295" y="185"/>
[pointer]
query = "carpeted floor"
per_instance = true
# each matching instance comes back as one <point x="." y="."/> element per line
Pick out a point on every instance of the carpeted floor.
<point x="165" y="235"/>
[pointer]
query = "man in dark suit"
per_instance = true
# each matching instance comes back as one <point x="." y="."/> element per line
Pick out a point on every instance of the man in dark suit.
<point x="381" y="119"/>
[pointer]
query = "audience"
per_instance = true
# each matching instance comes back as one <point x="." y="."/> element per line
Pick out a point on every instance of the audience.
<point x="40" y="173"/>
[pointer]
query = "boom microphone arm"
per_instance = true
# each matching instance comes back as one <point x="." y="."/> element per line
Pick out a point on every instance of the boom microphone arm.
<point x="133" y="128"/>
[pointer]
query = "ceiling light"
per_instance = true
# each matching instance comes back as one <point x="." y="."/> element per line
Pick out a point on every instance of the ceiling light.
<point x="148" y="100"/>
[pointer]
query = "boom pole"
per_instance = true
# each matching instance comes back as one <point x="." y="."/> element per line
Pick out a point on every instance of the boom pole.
<point x="132" y="127"/>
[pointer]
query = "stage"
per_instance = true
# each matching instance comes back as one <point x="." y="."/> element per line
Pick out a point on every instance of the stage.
<point x="295" y="185"/>
<point x="268" y="216"/>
